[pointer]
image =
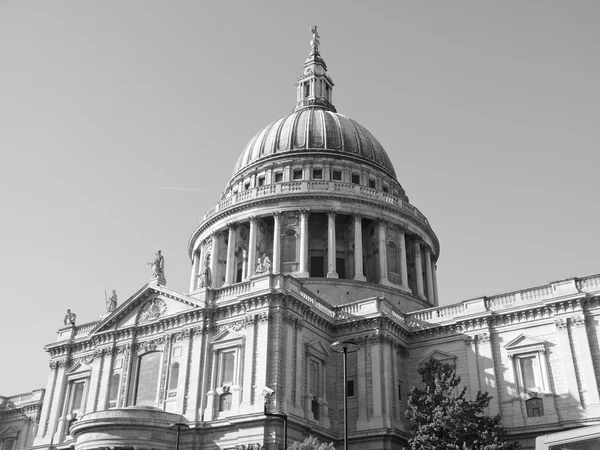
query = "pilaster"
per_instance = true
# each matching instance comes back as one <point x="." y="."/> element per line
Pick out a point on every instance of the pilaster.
<point x="331" y="245"/>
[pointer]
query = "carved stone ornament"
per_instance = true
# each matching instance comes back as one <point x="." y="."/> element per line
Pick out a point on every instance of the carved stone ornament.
<point x="578" y="321"/>
<point x="561" y="324"/>
<point x="483" y="337"/>
<point x="152" y="310"/>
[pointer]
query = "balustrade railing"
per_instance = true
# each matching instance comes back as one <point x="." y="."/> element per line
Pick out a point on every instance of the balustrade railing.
<point x="294" y="187"/>
<point x="85" y="328"/>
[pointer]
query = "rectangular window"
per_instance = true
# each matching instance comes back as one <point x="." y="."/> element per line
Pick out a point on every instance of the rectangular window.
<point x="350" y="388"/>
<point x="306" y="89"/>
<point x="314" y="375"/>
<point x="531" y="373"/>
<point x="400" y="391"/>
<point x="77" y="391"/>
<point x="297" y="174"/>
<point x="385" y="188"/>
<point x="261" y="181"/>
<point x="246" y="186"/>
<point x="336" y="175"/>
<point x="371" y="183"/>
<point x="355" y="178"/>
<point x="227" y="368"/>
<point x="278" y="177"/>
<point x="317" y="174"/>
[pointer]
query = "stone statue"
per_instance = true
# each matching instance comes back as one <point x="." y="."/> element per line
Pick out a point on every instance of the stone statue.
<point x="266" y="262"/>
<point x="205" y="275"/>
<point x="111" y="302"/>
<point x="259" y="267"/>
<point x="158" y="265"/>
<point x="70" y="318"/>
<point x="314" y="42"/>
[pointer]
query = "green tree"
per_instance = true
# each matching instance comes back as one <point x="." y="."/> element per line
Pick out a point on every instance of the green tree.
<point x="443" y="420"/>
<point x="311" y="443"/>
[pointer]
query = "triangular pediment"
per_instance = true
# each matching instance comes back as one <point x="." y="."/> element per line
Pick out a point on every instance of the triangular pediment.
<point x="149" y="304"/>
<point x="78" y="368"/>
<point x="524" y="343"/>
<point x="226" y="336"/>
<point x="9" y="431"/>
<point x="439" y="355"/>
<point x="316" y="348"/>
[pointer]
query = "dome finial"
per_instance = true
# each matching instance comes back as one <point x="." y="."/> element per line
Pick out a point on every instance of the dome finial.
<point x="314" y="42"/>
<point x="314" y="86"/>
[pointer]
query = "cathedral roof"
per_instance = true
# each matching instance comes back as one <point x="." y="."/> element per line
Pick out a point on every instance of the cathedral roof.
<point x="315" y="129"/>
<point x="314" y="125"/>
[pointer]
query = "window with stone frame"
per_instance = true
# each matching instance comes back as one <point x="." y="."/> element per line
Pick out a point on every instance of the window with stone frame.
<point x="173" y="378"/>
<point x="278" y="177"/>
<point x="393" y="262"/>
<point x="316" y="357"/>
<point x="297" y="174"/>
<point x="289" y="250"/>
<point x="317" y="174"/>
<point x="355" y="178"/>
<point x="226" y="372"/>
<point x="336" y="175"/>
<point x="8" y="444"/>
<point x="528" y="355"/>
<point x="147" y="380"/>
<point x="225" y="401"/>
<point x="113" y="393"/>
<point x="77" y="387"/>
<point x="535" y="407"/>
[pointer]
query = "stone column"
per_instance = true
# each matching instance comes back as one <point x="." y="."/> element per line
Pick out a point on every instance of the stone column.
<point x="230" y="264"/>
<point x="429" y="275"/>
<point x="403" y="265"/>
<point x="195" y="363"/>
<point x="564" y="345"/>
<point x="487" y="371"/>
<point x="214" y="260"/>
<point x="47" y="406"/>
<point x="435" y="288"/>
<point x="252" y="245"/>
<point x="331" y="245"/>
<point x="589" y="386"/>
<point x="303" y="272"/>
<point x="277" y="242"/>
<point x="383" y="270"/>
<point x="419" y="269"/>
<point x="249" y="352"/>
<point x="195" y="266"/>
<point x="358" y="249"/>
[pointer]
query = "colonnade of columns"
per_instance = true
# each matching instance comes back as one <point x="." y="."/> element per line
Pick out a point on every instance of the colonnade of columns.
<point x="425" y="284"/>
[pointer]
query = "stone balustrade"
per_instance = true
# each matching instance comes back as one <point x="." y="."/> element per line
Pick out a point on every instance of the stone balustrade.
<point x="312" y="186"/>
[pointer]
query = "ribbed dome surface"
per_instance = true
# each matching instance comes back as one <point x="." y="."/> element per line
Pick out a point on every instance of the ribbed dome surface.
<point x="314" y="129"/>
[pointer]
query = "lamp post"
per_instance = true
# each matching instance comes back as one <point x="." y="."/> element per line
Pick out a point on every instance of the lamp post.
<point x="345" y="347"/>
<point x="179" y="426"/>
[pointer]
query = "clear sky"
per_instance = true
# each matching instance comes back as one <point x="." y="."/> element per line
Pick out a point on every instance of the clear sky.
<point x="490" y="112"/>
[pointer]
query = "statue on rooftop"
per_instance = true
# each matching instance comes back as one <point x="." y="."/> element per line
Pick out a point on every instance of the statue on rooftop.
<point x="314" y="42"/>
<point x="70" y="318"/>
<point x="158" y="265"/>
<point x="111" y="302"/>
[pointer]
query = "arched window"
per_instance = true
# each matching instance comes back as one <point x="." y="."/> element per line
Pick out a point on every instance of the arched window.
<point x="225" y="401"/>
<point x="113" y="394"/>
<point x="174" y="376"/>
<point x="535" y="407"/>
<point x="146" y="389"/>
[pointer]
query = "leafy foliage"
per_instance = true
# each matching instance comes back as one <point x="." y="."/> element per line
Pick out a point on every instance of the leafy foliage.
<point x="444" y="420"/>
<point x="311" y="443"/>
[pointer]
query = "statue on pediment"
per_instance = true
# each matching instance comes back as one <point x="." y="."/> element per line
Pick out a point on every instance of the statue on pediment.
<point x="111" y="302"/>
<point x="70" y="318"/>
<point x="158" y="265"/>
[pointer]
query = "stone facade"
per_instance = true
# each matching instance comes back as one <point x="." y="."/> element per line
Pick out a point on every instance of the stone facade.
<point x="313" y="241"/>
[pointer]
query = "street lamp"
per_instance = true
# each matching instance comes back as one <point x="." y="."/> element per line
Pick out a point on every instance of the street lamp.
<point x="345" y="347"/>
<point x="179" y="426"/>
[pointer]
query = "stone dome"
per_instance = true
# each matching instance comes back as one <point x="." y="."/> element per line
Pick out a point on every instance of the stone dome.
<point x="315" y="129"/>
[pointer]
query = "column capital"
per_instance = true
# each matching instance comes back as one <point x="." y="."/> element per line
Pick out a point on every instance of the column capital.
<point x="578" y="321"/>
<point x="331" y="212"/>
<point x="381" y="221"/>
<point x="305" y="212"/>
<point x="252" y="218"/>
<point x="357" y="216"/>
<point x="560" y="323"/>
<point x="232" y="225"/>
<point x="277" y="214"/>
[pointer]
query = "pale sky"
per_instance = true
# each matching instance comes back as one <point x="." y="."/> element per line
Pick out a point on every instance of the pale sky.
<point x="489" y="112"/>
